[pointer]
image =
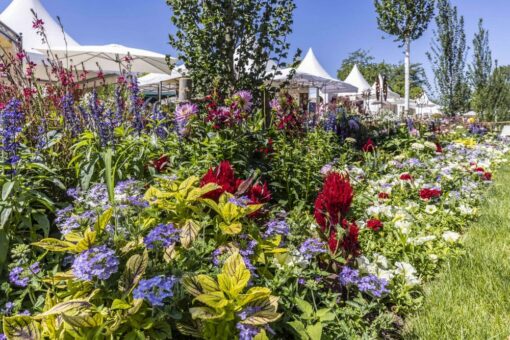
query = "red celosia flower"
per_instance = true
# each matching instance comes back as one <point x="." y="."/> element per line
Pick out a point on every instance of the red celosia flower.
<point x="369" y="146"/>
<point x="439" y="148"/>
<point x="259" y="194"/>
<point x="334" y="201"/>
<point x="479" y="169"/>
<point x="349" y="244"/>
<point x="374" y="224"/>
<point x="406" y="177"/>
<point x="161" y="163"/>
<point x="384" y="195"/>
<point x="487" y="176"/>
<point x="427" y="194"/>
<point x="223" y="175"/>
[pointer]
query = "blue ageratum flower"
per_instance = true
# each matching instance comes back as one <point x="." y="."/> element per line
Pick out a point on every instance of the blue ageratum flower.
<point x="17" y="277"/>
<point x="155" y="290"/>
<point x="312" y="247"/>
<point x="373" y="285"/>
<point x="247" y="332"/>
<point x="11" y="122"/>
<point x="163" y="235"/>
<point x="348" y="276"/>
<point x="277" y="226"/>
<point x="97" y="262"/>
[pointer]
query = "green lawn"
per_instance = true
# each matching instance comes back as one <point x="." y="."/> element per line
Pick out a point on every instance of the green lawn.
<point x="471" y="297"/>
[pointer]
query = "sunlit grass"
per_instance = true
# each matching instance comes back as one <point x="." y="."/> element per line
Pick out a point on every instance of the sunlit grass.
<point x="471" y="298"/>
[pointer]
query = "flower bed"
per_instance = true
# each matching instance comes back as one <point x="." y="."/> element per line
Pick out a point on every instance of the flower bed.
<point x="201" y="222"/>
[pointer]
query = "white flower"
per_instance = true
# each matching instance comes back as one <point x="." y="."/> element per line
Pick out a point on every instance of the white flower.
<point x="430" y="209"/>
<point x="465" y="210"/>
<point x="451" y="236"/>
<point x="381" y="260"/>
<point x="430" y="145"/>
<point x="433" y="257"/>
<point x="422" y="240"/>
<point x="417" y="146"/>
<point x="408" y="271"/>
<point x="404" y="226"/>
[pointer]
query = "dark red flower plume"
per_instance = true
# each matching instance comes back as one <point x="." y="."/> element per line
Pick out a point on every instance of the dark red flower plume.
<point x="369" y="146"/>
<point x="374" y="224"/>
<point x="224" y="176"/>
<point x="334" y="201"/>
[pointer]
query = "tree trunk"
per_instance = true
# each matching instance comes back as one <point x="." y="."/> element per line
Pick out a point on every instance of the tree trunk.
<point x="407" y="75"/>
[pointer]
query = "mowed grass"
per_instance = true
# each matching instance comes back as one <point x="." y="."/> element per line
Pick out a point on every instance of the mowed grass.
<point x="471" y="297"/>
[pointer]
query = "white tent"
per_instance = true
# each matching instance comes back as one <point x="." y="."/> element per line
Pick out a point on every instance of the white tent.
<point x="18" y="16"/>
<point x="310" y="73"/>
<point x="355" y="78"/>
<point x="111" y="58"/>
<point x="470" y="114"/>
<point x="157" y="78"/>
<point x="424" y="106"/>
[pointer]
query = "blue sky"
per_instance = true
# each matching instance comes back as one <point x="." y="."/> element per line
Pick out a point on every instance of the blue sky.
<point x="334" y="28"/>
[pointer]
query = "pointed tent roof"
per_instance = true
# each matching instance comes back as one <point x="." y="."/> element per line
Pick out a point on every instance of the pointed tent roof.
<point x="355" y="78"/>
<point x="310" y="65"/>
<point x="18" y="17"/>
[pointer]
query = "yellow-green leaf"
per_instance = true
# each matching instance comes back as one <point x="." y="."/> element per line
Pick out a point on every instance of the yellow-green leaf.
<point x="235" y="268"/>
<point x="261" y="318"/>
<point x="80" y="321"/>
<point x="53" y="244"/>
<point x="207" y="283"/>
<point x="21" y="328"/>
<point x="170" y="253"/>
<point x="103" y="220"/>
<point x="214" y="299"/>
<point x="253" y="294"/>
<point x="261" y="336"/>
<point x="191" y="285"/>
<point x="64" y="307"/>
<point x="88" y="240"/>
<point x="135" y="268"/>
<point x="189" y="233"/>
<point x="231" y="229"/>
<point x="205" y="313"/>
<point x="118" y="304"/>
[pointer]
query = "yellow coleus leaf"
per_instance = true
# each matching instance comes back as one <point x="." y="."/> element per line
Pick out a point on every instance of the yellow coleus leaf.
<point x="205" y="313"/>
<point x="254" y="294"/>
<point x="214" y="299"/>
<point x="88" y="240"/>
<point x="189" y="233"/>
<point x="207" y="283"/>
<point x="231" y="229"/>
<point x="235" y="268"/>
<point x="200" y="192"/>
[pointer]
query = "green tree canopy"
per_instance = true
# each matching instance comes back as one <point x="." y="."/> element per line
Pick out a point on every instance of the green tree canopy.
<point x="227" y="44"/>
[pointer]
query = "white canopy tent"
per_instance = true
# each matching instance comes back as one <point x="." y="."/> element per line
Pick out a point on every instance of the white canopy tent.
<point x="111" y="58"/>
<point x="355" y="78"/>
<point x="310" y="73"/>
<point x="424" y="106"/>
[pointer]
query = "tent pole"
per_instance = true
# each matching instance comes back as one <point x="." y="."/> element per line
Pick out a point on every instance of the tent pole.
<point x="160" y="90"/>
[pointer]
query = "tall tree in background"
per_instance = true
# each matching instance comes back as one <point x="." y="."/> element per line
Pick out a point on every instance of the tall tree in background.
<point x="496" y="95"/>
<point x="406" y="20"/>
<point x="480" y="71"/>
<point x="448" y="58"/>
<point x="227" y="44"/>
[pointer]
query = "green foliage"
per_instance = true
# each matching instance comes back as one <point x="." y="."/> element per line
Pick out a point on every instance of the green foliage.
<point x="448" y="59"/>
<point x="227" y="44"/>
<point x="404" y="19"/>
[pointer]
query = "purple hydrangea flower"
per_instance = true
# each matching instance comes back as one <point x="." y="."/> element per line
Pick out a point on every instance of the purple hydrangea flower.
<point x="163" y="235"/>
<point x="155" y="290"/>
<point x="312" y="247"/>
<point x="247" y="332"/>
<point x="17" y="278"/>
<point x="97" y="262"/>
<point x="348" y="276"/>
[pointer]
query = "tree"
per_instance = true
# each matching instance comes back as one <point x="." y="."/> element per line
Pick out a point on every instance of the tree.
<point x="394" y="73"/>
<point x="227" y="44"/>
<point x="406" y="20"/>
<point x="496" y="95"/>
<point x="480" y="71"/>
<point x="448" y="59"/>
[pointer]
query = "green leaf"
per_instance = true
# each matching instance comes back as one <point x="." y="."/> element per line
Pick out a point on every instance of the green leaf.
<point x="261" y="318"/>
<point x="208" y="284"/>
<point x="315" y="331"/>
<point x="191" y="285"/>
<point x="53" y="244"/>
<point x="6" y="189"/>
<point x="261" y="336"/>
<point x="299" y="327"/>
<point x="304" y="306"/>
<point x="21" y="328"/>
<point x="235" y="268"/>
<point x="4" y="217"/>
<point x="135" y="268"/>
<point x="109" y="174"/>
<point x="64" y="307"/>
<point x="325" y="314"/>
